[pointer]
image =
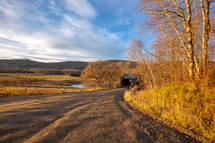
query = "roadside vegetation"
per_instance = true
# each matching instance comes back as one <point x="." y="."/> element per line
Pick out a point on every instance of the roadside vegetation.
<point x="190" y="104"/>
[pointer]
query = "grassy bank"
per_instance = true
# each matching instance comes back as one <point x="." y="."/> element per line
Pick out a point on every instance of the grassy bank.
<point x="27" y="77"/>
<point x="191" y="105"/>
<point x="14" y="79"/>
<point x="13" y="84"/>
<point x="17" y="91"/>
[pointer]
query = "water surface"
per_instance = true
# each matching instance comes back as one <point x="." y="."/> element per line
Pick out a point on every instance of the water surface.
<point x="79" y="85"/>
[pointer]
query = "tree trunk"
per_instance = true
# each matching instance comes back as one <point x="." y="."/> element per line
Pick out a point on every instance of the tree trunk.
<point x="205" y="33"/>
<point x="190" y="40"/>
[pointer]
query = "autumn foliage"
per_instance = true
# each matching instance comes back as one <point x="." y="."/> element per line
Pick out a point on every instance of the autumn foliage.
<point x="105" y="73"/>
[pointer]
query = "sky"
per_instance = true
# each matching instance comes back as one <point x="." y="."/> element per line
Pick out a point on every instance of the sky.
<point x="68" y="30"/>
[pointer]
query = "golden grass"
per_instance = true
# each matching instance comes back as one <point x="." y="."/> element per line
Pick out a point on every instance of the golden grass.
<point x="39" y="77"/>
<point x="37" y="80"/>
<point x="17" y="91"/>
<point x="191" y="105"/>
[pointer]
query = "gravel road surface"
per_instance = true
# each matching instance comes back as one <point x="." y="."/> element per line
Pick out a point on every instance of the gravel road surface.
<point x="97" y="116"/>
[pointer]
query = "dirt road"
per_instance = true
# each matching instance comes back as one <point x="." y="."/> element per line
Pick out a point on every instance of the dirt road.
<point x="98" y="116"/>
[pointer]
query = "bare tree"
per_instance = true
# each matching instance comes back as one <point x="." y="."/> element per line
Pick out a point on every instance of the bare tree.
<point x="136" y="53"/>
<point x="182" y="18"/>
<point x="95" y="72"/>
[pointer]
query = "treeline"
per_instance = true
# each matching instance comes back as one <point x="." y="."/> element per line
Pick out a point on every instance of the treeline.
<point x="184" y="46"/>
<point x="155" y="68"/>
<point x="71" y="72"/>
<point x="14" y="70"/>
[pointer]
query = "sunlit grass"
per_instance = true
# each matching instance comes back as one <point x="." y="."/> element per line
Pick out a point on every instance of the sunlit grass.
<point x="37" y="80"/>
<point x="191" y="105"/>
<point x="18" y="91"/>
<point x="39" y="77"/>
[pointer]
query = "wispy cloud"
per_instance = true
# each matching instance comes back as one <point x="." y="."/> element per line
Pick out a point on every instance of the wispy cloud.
<point x="57" y="31"/>
<point x="81" y="7"/>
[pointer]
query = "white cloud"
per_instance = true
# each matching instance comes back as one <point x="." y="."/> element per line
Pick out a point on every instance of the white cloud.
<point x="54" y="8"/>
<point x="81" y="7"/>
<point x="8" y="8"/>
<point x="111" y="36"/>
<point x="76" y="22"/>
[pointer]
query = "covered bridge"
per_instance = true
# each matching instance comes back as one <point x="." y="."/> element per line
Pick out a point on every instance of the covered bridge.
<point x="128" y="80"/>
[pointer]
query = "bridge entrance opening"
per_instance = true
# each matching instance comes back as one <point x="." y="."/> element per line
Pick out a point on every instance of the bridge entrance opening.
<point x="129" y="80"/>
<point x="125" y="82"/>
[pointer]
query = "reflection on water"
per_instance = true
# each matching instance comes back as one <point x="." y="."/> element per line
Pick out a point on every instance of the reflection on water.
<point x="79" y="85"/>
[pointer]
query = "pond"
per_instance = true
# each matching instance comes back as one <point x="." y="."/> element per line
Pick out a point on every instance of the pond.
<point x="79" y="85"/>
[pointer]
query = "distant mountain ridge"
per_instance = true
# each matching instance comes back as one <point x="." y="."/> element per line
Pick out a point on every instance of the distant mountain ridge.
<point x="27" y="64"/>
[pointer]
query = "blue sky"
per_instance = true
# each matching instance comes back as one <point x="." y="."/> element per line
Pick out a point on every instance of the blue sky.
<point x="68" y="30"/>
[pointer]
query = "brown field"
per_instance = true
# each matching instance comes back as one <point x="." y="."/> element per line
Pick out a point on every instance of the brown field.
<point x="14" y="84"/>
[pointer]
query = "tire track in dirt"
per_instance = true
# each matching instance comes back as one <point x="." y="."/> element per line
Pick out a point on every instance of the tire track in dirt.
<point x="99" y="116"/>
<point x="58" y="126"/>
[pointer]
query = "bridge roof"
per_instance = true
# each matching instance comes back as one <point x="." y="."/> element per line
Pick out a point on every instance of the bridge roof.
<point x="129" y="76"/>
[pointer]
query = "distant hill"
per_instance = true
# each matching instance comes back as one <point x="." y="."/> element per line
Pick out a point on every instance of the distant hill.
<point x="27" y="64"/>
